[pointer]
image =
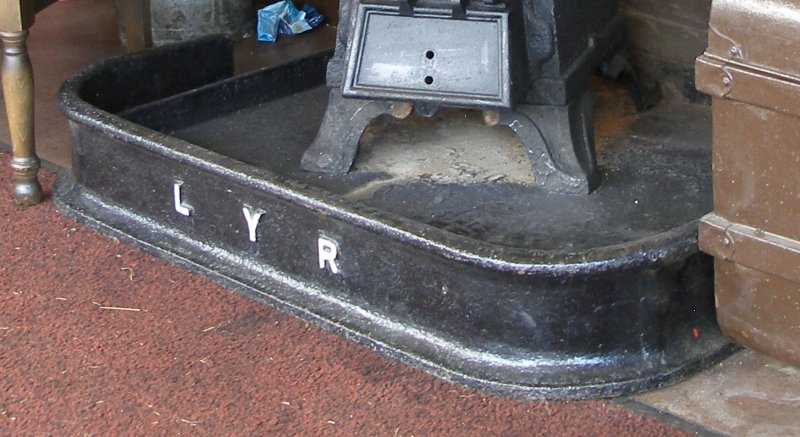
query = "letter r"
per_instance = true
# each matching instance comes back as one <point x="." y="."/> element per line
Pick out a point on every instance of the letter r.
<point x="328" y="251"/>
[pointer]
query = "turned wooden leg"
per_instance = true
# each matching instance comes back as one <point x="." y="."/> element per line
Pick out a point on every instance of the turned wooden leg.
<point x="135" y="24"/>
<point x="17" y="75"/>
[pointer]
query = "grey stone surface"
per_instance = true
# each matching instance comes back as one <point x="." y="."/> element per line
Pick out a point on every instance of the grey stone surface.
<point x="748" y="394"/>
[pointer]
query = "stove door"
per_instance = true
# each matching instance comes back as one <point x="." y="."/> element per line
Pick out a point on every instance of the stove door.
<point x="430" y="57"/>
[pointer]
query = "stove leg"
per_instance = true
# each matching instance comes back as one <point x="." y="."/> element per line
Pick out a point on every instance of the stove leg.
<point x="560" y="144"/>
<point x="336" y="145"/>
<point x="17" y="74"/>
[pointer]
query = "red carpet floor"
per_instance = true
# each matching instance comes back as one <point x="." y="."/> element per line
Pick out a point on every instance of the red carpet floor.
<point x="97" y="338"/>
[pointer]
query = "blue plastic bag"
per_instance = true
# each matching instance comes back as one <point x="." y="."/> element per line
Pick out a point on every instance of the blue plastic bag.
<point x="283" y="18"/>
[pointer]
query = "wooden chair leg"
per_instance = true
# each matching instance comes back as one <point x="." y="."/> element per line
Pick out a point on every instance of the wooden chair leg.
<point x="135" y="21"/>
<point x="17" y="77"/>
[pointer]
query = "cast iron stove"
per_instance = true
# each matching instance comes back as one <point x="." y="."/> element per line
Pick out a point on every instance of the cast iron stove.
<point x="525" y="63"/>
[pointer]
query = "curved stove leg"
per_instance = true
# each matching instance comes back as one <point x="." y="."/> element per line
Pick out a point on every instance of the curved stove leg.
<point x="560" y="144"/>
<point x="336" y="145"/>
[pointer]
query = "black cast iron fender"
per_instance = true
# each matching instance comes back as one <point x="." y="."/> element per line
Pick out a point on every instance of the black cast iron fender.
<point x="596" y="322"/>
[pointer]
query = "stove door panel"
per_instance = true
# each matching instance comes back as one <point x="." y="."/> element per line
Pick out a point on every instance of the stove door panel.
<point x="430" y="57"/>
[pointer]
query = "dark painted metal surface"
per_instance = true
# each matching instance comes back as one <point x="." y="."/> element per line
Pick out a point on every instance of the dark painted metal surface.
<point x="752" y="72"/>
<point x="563" y="322"/>
<point x="528" y="59"/>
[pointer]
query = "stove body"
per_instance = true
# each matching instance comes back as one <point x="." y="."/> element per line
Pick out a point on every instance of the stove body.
<point x="525" y="63"/>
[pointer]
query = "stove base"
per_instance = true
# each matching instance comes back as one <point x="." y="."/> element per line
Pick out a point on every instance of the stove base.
<point x="479" y="278"/>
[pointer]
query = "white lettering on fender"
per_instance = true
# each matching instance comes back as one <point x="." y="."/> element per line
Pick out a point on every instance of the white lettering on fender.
<point x="180" y="207"/>
<point x="252" y="218"/>
<point x="328" y="251"/>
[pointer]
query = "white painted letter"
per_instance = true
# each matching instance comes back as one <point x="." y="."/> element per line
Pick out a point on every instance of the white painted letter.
<point x="328" y="250"/>
<point x="180" y="207"/>
<point x="252" y="219"/>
